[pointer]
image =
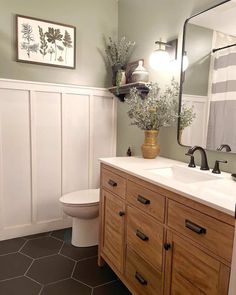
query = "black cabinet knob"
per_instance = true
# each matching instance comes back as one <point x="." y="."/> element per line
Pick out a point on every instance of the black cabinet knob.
<point x="121" y="213"/>
<point x="167" y="246"/>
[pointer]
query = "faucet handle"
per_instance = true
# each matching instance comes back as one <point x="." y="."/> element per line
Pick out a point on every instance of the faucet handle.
<point x="216" y="168"/>
<point x="191" y="162"/>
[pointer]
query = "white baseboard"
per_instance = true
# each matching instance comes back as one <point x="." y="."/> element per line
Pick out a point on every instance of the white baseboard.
<point x="30" y="229"/>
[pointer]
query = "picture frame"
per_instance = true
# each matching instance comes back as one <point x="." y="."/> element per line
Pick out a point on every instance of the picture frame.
<point x="130" y="68"/>
<point x="45" y="42"/>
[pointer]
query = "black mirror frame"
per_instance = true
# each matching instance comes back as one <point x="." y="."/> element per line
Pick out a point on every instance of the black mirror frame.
<point x="182" y="74"/>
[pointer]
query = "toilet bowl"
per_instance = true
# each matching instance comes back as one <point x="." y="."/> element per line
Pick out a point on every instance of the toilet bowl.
<point x="83" y="207"/>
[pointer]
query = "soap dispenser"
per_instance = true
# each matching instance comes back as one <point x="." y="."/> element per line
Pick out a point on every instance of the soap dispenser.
<point x="140" y="74"/>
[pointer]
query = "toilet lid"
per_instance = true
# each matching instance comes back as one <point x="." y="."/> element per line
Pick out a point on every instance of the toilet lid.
<point x="84" y="197"/>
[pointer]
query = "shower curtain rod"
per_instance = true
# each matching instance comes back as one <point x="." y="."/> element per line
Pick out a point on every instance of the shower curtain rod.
<point x="217" y="49"/>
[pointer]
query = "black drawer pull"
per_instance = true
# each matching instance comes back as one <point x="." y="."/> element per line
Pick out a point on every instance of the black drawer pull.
<point x="112" y="183"/>
<point x="143" y="200"/>
<point x="194" y="227"/>
<point x="141" y="235"/>
<point x="140" y="279"/>
<point x="121" y="213"/>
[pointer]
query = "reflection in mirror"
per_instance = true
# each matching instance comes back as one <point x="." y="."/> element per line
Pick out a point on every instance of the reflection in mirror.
<point x="208" y="88"/>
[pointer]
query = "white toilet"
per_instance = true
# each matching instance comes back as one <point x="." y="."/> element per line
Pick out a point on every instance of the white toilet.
<point x="83" y="206"/>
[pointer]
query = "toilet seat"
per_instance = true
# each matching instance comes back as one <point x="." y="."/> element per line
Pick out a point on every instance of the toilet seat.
<point x="81" y="198"/>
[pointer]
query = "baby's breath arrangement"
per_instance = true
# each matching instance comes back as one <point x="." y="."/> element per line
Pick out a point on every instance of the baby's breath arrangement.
<point x="158" y="109"/>
<point x="186" y="116"/>
<point x="117" y="53"/>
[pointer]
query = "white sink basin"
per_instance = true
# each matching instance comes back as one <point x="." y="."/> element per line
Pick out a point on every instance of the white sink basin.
<point x="184" y="174"/>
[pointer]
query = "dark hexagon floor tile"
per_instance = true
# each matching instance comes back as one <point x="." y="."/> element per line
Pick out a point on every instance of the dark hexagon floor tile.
<point x="78" y="253"/>
<point x="66" y="287"/>
<point x="114" y="288"/>
<point x="35" y="236"/>
<point x="18" y="286"/>
<point x="88" y="272"/>
<point x="51" y="269"/>
<point x="13" y="265"/>
<point x="9" y="246"/>
<point x="41" y="247"/>
<point x="63" y="234"/>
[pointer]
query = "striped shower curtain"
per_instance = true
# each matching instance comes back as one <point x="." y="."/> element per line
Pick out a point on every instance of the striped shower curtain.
<point x="222" y="112"/>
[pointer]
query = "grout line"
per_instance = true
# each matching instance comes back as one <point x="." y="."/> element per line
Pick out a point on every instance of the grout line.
<point x="54" y="282"/>
<point x="40" y="292"/>
<point x="92" y="291"/>
<point x="33" y="280"/>
<point x="26" y="255"/>
<point x="61" y="247"/>
<point x="22" y="246"/>
<point x="87" y="258"/>
<point x="107" y="283"/>
<point x="67" y="257"/>
<point x="38" y="258"/>
<point x="36" y="238"/>
<point x="73" y="270"/>
<point x="58" y="239"/>
<point x="29" y="267"/>
<point x="8" y="279"/>
<point x="82" y="283"/>
<point x="8" y="253"/>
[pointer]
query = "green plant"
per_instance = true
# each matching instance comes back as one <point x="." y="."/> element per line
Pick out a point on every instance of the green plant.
<point x="186" y="116"/>
<point x="67" y="42"/>
<point x="27" y="35"/>
<point x="117" y="53"/>
<point x="157" y="109"/>
<point x="54" y="35"/>
<point x="44" y="44"/>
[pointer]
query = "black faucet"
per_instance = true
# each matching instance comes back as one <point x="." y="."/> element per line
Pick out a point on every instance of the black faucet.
<point x="222" y="146"/>
<point x="204" y="164"/>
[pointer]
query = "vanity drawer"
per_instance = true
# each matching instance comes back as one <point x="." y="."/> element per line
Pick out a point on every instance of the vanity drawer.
<point x="145" y="236"/>
<point x="146" y="200"/>
<point x="203" y="229"/>
<point x="144" y="279"/>
<point x="113" y="183"/>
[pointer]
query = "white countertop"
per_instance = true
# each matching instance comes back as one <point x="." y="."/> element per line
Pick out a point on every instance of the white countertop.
<point x="219" y="193"/>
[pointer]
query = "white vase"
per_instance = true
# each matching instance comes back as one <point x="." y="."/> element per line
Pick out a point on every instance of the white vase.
<point x="140" y="74"/>
<point x="123" y="78"/>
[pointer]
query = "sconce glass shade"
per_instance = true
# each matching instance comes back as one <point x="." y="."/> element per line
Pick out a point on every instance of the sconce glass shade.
<point x="159" y="59"/>
<point x="185" y="62"/>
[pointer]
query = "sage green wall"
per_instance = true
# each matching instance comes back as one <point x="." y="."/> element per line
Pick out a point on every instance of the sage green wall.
<point x="92" y="18"/>
<point x="145" y="22"/>
<point x="198" y="45"/>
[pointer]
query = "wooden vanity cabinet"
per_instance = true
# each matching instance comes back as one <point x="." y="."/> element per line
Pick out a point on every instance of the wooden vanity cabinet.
<point x="113" y="229"/>
<point x="190" y="270"/>
<point x="160" y="243"/>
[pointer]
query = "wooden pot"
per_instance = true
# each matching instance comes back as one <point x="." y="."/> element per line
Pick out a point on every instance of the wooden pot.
<point x="150" y="148"/>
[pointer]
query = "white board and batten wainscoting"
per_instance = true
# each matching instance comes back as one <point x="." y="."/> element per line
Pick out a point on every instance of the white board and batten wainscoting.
<point x="51" y="137"/>
<point x="196" y="133"/>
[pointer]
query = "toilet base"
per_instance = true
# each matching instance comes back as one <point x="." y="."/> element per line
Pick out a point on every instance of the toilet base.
<point x="85" y="232"/>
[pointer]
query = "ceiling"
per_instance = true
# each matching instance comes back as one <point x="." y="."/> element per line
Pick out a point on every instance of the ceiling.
<point x="221" y="18"/>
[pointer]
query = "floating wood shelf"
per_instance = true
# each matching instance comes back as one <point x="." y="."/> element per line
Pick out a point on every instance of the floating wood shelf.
<point x="124" y="89"/>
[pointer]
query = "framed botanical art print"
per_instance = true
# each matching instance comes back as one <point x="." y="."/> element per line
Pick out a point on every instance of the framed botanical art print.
<point x="45" y="42"/>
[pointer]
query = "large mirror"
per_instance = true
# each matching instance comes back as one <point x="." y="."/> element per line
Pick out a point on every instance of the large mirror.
<point x="208" y="87"/>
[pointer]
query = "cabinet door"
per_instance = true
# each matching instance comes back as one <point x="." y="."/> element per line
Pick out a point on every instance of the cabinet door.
<point x="113" y="229"/>
<point x="189" y="270"/>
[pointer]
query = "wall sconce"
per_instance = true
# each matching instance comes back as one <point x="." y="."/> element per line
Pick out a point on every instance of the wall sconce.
<point x="166" y="52"/>
<point x="185" y="61"/>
